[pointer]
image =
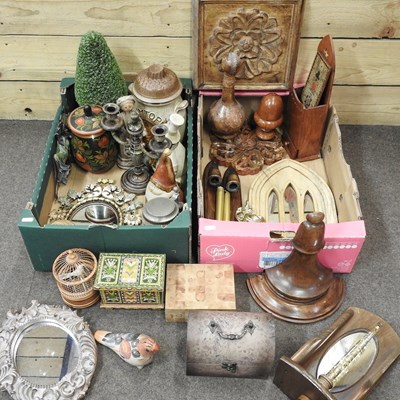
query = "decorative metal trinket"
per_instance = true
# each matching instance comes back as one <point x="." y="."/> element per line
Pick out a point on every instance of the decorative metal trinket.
<point x="135" y="179"/>
<point x="159" y="142"/>
<point x="127" y="115"/>
<point x="100" y="202"/>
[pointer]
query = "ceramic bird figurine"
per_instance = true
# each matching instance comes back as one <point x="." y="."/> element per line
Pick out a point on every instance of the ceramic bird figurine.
<point x="135" y="349"/>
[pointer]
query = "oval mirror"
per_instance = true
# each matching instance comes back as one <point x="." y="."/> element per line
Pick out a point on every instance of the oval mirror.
<point x="358" y="367"/>
<point x="46" y="352"/>
<point x="96" y="211"/>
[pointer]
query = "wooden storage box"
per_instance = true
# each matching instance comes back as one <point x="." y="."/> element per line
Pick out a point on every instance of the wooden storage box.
<point x="44" y="241"/>
<point x="131" y="280"/>
<point x="198" y="287"/>
<point x="230" y="344"/>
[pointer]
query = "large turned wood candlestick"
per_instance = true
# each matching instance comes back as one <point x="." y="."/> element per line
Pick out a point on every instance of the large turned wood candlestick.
<point x="300" y="289"/>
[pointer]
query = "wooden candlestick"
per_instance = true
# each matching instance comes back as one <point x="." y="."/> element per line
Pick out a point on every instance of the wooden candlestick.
<point x="231" y="184"/>
<point x="300" y="289"/>
<point x="211" y="180"/>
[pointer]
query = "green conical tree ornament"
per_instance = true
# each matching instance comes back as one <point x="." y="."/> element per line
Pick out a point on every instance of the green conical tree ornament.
<point x="98" y="78"/>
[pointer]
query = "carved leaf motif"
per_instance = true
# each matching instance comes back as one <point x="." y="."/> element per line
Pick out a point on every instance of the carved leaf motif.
<point x="254" y="36"/>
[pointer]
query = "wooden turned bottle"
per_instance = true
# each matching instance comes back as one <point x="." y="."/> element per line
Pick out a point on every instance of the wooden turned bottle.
<point x="268" y="116"/>
<point x="226" y="116"/>
<point x="300" y="289"/>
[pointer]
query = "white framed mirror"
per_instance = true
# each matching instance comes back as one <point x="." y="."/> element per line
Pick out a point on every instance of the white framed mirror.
<point x="46" y="352"/>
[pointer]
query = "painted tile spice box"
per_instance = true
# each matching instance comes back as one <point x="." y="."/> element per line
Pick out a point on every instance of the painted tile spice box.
<point x="127" y="280"/>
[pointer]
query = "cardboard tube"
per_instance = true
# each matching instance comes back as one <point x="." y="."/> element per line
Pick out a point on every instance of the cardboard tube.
<point x="219" y="207"/>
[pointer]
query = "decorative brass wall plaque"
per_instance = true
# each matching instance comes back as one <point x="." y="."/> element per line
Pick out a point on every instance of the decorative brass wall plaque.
<point x="265" y="35"/>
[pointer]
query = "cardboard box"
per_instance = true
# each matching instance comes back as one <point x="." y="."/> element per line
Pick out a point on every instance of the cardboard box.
<point x="45" y="241"/>
<point x="198" y="287"/>
<point x="252" y="246"/>
<point x="131" y="280"/>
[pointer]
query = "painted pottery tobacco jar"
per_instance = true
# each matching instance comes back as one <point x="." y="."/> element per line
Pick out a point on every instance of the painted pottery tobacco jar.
<point x="157" y="93"/>
<point x="93" y="148"/>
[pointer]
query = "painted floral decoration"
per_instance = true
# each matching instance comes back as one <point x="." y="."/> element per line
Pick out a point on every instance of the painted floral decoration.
<point x="253" y="35"/>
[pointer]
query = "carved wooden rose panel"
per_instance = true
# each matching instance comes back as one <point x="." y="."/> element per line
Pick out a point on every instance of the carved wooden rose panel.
<point x="264" y="34"/>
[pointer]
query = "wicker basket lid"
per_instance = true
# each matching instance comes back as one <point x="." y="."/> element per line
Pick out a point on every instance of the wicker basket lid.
<point x="74" y="266"/>
<point x="156" y="84"/>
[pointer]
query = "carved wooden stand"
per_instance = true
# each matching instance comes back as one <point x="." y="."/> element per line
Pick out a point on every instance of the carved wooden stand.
<point x="300" y="289"/>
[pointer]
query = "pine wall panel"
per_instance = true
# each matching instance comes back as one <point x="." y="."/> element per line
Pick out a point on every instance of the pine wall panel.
<point x="39" y="42"/>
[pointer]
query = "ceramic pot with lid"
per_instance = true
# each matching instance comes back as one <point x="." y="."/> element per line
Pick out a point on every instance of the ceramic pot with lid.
<point x="93" y="148"/>
<point x="157" y="93"/>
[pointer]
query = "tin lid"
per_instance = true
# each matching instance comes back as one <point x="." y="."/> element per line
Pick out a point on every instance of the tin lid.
<point x="265" y="35"/>
<point x="156" y="84"/>
<point x="85" y="121"/>
<point x="160" y="210"/>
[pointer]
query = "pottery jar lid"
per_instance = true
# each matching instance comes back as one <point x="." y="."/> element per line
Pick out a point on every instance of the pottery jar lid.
<point x="85" y="121"/>
<point x="156" y="84"/>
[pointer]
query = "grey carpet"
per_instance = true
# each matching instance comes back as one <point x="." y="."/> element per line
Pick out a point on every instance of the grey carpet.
<point x="373" y="154"/>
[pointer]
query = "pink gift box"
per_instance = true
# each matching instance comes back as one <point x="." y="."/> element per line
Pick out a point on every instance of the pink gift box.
<point x="250" y="248"/>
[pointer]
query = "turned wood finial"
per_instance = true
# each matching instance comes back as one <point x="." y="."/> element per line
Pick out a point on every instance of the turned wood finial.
<point x="268" y="116"/>
<point x="300" y="289"/>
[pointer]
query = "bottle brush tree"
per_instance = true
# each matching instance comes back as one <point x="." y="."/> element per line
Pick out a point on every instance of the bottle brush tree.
<point x="98" y="78"/>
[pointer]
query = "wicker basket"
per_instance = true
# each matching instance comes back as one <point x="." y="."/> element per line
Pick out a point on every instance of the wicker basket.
<point x="74" y="271"/>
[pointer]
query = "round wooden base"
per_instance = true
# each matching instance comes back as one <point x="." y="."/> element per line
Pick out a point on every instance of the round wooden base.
<point x="291" y="310"/>
<point x="89" y="301"/>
